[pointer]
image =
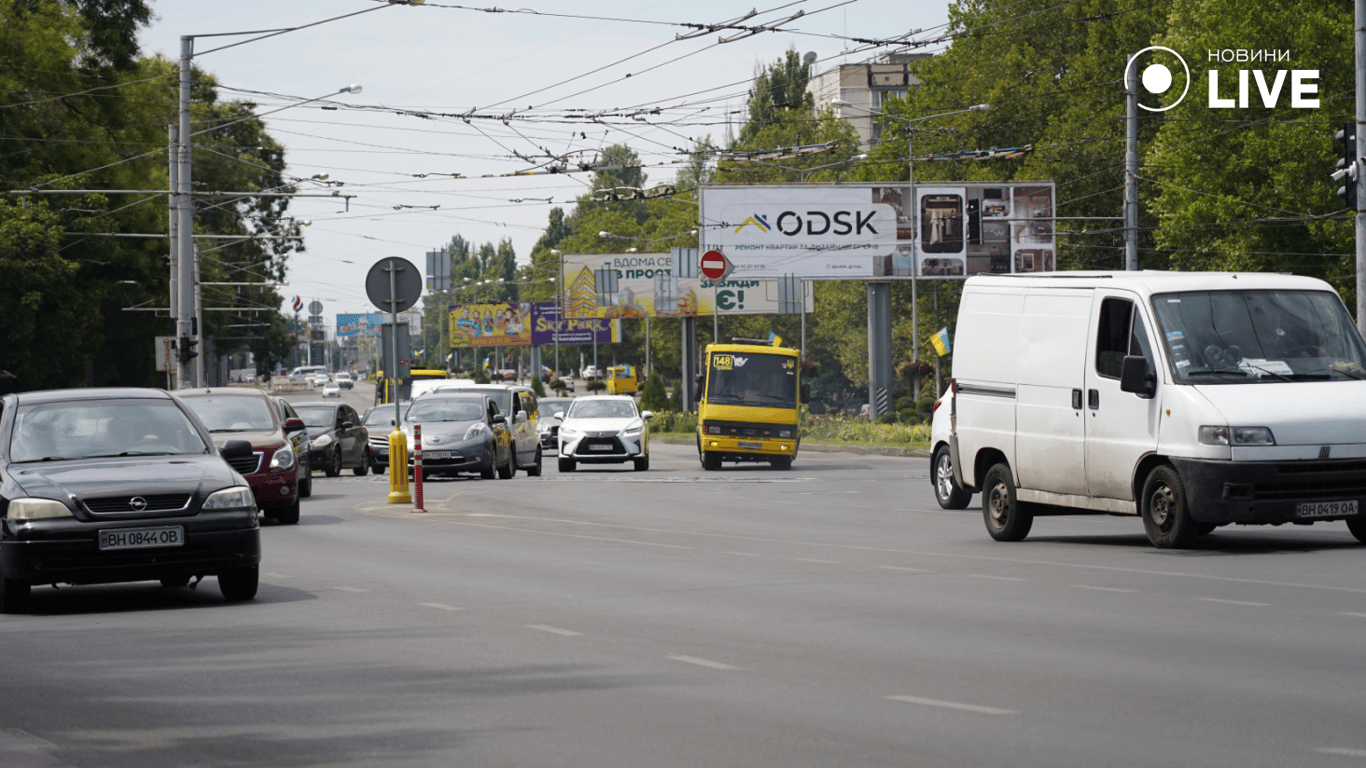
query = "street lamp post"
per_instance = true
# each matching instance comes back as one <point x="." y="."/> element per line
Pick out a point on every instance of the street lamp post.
<point x="879" y="294"/>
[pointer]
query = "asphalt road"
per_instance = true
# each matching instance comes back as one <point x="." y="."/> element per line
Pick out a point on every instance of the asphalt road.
<point x="831" y="615"/>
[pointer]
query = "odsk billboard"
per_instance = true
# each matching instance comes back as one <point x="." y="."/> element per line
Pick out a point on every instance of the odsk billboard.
<point x="951" y="229"/>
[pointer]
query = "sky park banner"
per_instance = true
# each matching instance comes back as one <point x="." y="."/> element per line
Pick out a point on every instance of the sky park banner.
<point x="867" y="230"/>
<point x="522" y="325"/>
<point x="649" y="285"/>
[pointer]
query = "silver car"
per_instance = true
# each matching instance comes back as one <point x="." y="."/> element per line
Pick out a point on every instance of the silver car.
<point x="604" y="429"/>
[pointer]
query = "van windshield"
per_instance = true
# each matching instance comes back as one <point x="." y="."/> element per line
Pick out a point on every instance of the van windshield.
<point x="1259" y="337"/>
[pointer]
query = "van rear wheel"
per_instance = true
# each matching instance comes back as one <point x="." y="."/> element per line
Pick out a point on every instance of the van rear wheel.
<point x="1006" y="517"/>
<point x="1166" y="517"/>
<point x="947" y="491"/>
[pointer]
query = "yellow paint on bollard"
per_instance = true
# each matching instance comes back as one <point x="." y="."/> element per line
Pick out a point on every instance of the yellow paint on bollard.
<point x="398" y="469"/>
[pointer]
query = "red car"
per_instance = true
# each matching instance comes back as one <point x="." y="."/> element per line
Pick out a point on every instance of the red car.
<point x="272" y="468"/>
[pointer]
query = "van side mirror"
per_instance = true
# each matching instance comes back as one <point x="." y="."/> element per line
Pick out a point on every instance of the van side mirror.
<point x="806" y="394"/>
<point x="1135" y="377"/>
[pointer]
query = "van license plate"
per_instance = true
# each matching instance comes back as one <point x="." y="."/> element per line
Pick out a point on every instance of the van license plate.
<point x="746" y="444"/>
<point x="140" y="538"/>
<point x="1326" y="508"/>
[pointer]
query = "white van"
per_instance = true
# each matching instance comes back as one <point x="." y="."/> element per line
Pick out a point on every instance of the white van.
<point x="1193" y="400"/>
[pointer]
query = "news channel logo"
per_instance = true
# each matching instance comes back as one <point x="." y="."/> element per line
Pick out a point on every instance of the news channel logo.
<point x="1159" y="77"/>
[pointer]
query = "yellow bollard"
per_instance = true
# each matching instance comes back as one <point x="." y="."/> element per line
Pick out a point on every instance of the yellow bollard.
<point x="398" y="469"/>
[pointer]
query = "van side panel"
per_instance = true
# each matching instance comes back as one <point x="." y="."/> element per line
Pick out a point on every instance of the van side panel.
<point x="1050" y="442"/>
<point x="985" y="365"/>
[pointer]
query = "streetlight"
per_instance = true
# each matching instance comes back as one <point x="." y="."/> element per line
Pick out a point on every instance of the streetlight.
<point x="911" y="214"/>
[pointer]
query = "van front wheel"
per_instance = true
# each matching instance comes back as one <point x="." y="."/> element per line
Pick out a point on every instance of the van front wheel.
<point x="1166" y="517"/>
<point x="1357" y="525"/>
<point x="1007" y="518"/>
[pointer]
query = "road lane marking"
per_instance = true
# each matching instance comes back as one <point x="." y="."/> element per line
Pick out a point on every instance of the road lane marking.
<point x="903" y="568"/>
<point x="351" y="589"/>
<point x="442" y="606"/>
<point x="1102" y="589"/>
<point x="1349" y="613"/>
<point x="1342" y="752"/>
<point x="275" y="575"/>
<point x="953" y="705"/>
<point x="996" y="578"/>
<point x="1234" y="602"/>
<point x="743" y="554"/>
<point x="814" y="560"/>
<point x="708" y="663"/>
<point x="555" y="630"/>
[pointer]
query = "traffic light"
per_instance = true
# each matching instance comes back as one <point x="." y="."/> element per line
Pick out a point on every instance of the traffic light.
<point x="1347" y="164"/>
<point x="186" y="348"/>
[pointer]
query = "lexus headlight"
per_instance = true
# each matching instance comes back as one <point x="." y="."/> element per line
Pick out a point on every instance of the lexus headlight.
<point x="568" y="432"/>
<point x="632" y="430"/>
<point x="283" y="458"/>
<point x="476" y="429"/>
<point x="1236" y="436"/>
<point x="238" y="497"/>
<point x="321" y="441"/>
<point x="37" y="509"/>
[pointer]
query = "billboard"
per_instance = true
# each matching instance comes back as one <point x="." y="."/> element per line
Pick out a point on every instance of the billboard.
<point x="359" y="325"/>
<point x="649" y="285"/>
<point x="829" y="231"/>
<point x="524" y="324"/>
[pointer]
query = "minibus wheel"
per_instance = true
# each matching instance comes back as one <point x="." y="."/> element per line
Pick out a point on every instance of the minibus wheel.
<point x="1357" y="525"/>
<point x="1006" y="517"/>
<point x="1166" y="516"/>
<point x="947" y="491"/>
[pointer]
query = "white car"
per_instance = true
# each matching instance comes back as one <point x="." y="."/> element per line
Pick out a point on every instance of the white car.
<point x="590" y="372"/>
<point x="331" y="389"/>
<point x="604" y="429"/>
<point x="318" y="380"/>
<point x="344" y="380"/>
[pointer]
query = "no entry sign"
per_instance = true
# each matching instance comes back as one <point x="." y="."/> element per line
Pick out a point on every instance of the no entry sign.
<point x="714" y="265"/>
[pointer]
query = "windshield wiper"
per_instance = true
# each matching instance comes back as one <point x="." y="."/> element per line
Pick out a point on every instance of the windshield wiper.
<point x="1214" y="371"/>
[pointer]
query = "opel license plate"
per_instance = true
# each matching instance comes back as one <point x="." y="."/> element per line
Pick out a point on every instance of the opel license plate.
<point x="142" y="538"/>
<point x="1326" y="508"/>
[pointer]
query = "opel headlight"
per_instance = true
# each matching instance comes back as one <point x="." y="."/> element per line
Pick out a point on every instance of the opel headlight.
<point x="238" y="497"/>
<point x="1216" y="435"/>
<point x="37" y="509"/>
<point x="283" y="458"/>
<point x="322" y="441"/>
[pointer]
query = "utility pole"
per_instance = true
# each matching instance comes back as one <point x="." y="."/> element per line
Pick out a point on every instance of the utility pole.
<point x="1359" y="213"/>
<point x="1131" y="164"/>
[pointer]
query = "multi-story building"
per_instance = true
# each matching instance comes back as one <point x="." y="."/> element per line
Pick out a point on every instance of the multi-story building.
<point x="866" y="86"/>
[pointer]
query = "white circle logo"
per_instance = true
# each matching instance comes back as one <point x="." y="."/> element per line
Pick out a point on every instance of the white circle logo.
<point x="1157" y="77"/>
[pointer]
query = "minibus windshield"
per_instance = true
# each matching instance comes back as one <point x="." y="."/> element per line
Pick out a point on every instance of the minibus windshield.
<point x="1259" y="337"/>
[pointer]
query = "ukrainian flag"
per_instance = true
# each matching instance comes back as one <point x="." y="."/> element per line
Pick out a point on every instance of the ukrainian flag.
<point x="774" y="339"/>
<point x="941" y="341"/>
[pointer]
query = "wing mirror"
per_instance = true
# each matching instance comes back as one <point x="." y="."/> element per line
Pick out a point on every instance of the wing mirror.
<point x="1135" y="377"/>
<point x="293" y="425"/>
<point x="238" y="449"/>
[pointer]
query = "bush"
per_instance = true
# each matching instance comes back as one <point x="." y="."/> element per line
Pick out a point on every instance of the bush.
<point x="481" y="376"/>
<point x="905" y="404"/>
<point x="676" y="398"/>
<point x="887" y="418"/>
<point x="909" y="416"/>
<point x="595" y="385"/>
<point x="652" y="395"/>
<point x="926" y="407"/>
<point x="673" y="421"/>
<point x="537" y="386"/>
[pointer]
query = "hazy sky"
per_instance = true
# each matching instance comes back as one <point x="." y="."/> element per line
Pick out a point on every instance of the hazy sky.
<point x="568" y="76"/>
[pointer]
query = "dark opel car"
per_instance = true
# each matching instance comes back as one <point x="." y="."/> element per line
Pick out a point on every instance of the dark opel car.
<point x="112" y="485"/>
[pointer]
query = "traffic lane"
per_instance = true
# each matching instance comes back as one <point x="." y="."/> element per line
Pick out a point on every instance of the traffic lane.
<point x="660" y="641"/>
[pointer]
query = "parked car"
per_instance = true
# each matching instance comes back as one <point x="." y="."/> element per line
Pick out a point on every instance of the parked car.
<point x="518" y="403"/>
<point x="340" y="440"/>
<point x="568" y="382"/>
<point x="344" y="380"/>
<point x="590" y="372"/>
<point x="548" y="421"/>
<point x="116" y="485"/>
<point x="604" y="429"/>
<point x="272" y="468"/>
<point x="331" y="389"/>
<point x="461" y="433"/>
<point x="300" y="440"/>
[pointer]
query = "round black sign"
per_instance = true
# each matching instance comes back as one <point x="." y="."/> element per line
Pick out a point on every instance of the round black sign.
<point x="406" y="284"/>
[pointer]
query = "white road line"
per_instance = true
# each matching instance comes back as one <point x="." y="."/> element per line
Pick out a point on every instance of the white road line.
<point x="953" y="705"/>
<point x="275" y="575"/>
<point x="995" y="578"/>
<point x="442" y="606"/>
<point x="1102" y="589"/>
<point x="555" y="630"/>
<point x="1234" y="602"/>
<point x="351" y="589"/>
<point x="903" y="568"/>
<point x="1349" y="613"/>
<point x="743" y="554"/>
<point x="704" y="663"/>
<point x="1341" y="751"/>
<point x="814" y="560"/>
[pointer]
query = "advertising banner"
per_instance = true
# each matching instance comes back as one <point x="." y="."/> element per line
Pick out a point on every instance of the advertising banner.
<point x="524" y="324"/>
<point x="828" y="231"/>
<point x="648" y="285"/>
<point x="359" y="325"/>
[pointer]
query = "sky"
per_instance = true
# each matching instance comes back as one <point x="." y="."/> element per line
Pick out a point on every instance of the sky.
<point x="456" y="98"/>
